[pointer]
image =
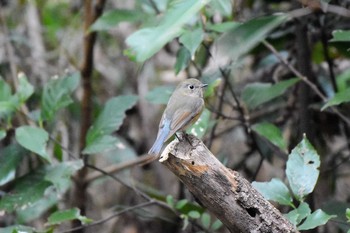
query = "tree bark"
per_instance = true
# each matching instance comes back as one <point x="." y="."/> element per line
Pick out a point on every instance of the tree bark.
<point x="38" y="51"/>
<point x="224" y="192"/>
<point x="92" y="10"/>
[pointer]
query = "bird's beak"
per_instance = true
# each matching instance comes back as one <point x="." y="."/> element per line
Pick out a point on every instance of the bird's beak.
<point x="204" y="85"/>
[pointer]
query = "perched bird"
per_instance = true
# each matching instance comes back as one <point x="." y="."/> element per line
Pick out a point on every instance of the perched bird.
<point x="183" y="109"/>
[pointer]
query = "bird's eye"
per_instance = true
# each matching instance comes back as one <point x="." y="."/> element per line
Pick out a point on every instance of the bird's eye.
<point x="191" y="87"/>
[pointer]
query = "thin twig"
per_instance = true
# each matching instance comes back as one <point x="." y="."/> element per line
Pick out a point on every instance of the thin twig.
<point x="92" y="13"/>
<point x="145" y="196"/>
<point x="116" y="178"/>
<point x="295" y="71"/>
<point x="12" y="61"/>
<point x="238" y="107"/>
<point x="224" y="116"/>
<point x="9" y="50"/>
<point x="329" y="61"/>
<point x="338" y="10"/>
<point x="221" y="99"/>
<point x="342" y="161"/>
<point x="154" y="6"/>
<point x="305" y="80"/>
<point x="219" y="109"/>
<point x="326" y="8"/>
<point x="103" y="220"/>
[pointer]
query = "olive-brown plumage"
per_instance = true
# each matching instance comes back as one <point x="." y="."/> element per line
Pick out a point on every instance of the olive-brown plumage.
<point x="183" y="109"/>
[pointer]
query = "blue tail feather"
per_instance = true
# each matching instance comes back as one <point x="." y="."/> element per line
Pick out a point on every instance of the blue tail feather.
<point x="161" y="138"/>
<point x="158" y="144"/>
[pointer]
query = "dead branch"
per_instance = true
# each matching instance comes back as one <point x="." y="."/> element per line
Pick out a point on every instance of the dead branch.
<point x="35" y="37"/>
<point x="224" y="192"/>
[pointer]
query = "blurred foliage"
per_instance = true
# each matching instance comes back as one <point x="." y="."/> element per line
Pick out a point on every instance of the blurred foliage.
<point x="98" y="138"/>
<point x="147" y="41"/>
<point x="257" y="108"/>
<point x="67" y="215"/>
<point x="272" y="133"/>
<point x="302" y="173"/>
<point x="255" y="94"/>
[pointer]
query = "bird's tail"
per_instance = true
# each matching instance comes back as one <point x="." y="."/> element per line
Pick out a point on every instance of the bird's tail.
<point x="158" y="144"/>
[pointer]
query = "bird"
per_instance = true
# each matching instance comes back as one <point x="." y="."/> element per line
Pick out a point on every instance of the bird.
<point x="183" y="109"/>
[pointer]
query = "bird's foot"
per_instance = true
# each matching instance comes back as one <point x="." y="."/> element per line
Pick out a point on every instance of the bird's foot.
<point x="181" y="136"/>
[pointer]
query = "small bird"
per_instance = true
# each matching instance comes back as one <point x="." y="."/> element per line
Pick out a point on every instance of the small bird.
<point x="183" y="109"/>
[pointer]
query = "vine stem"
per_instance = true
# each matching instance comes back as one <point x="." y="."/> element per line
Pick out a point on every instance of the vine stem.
<point x="92" y="13"/>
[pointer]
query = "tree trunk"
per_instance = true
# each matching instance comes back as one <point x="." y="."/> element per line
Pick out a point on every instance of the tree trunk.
<point x="224" y="192"/>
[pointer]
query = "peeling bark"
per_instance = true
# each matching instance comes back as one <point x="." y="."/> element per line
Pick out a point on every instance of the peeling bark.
<point x="224" y="192"/>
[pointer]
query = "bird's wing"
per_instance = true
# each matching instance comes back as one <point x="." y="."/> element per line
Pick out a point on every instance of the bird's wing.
<point x="185" y="115"/>
<point x="181" y="118"/>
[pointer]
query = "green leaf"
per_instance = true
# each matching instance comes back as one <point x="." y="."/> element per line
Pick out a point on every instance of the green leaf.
<point x="17" y="229"/>
<point x="341" y="36"/>
<point x="302" y="169"/>
<point x="194" y="214"/>
<point x="316" y="219"/>
<point x="2" y="135"/>
<point x="338" y="98"/>
<point x="180" y="204"/>
<point x="186" y="221"/>
<point x="343" y="80"/>
<point x="108" y="121"/>
<point x="303" y="211"/>
<point x="275" y="190"/>
<point x="246" y="36"/>
<point x="7" y="107"/>
<point x="101" y="144"/>
<point x="292" y="216"/>
<point x="5" y="90"/>
<point x="199" y="128"/>
<point x="61" y="216"/>
<point x="222" y="27"/>
<point x="123" y="151"/>
<point x="224" y="7"/>
<point x="147" y="41"/>
<point x="170" y="200"/>
<point x="57" y="149"/>
<point x="347" y="214"/>
<point x="33" y="139"/>
<point x="334" y="207"/>
<point x="183" y="206"/>
<point x="298" y="214"/>
<point x="28" y="190"/>
<point x="183" y="58"/>
<point x="271" y="133"/>
<point x="8" y="102"/>
<point x="60" y="177"/>
<point x="59" y="174"/>
<point x="192" y="39"/>
<point x="56" y="95"/>
<point x="25" y="89"/>
<point x="112" y="18"/>
<point x="36" y="209"/>
<point x="216" y="225"/>
<point x="255" y="94"/>
<point x="210" y="89"/>
<point x="10" y="157"/>
<point x="205" y="219"/>
<point x="160" y="95"/>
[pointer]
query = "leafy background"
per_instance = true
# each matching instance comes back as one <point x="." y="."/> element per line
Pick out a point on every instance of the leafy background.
<point x="83" y="85"/>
